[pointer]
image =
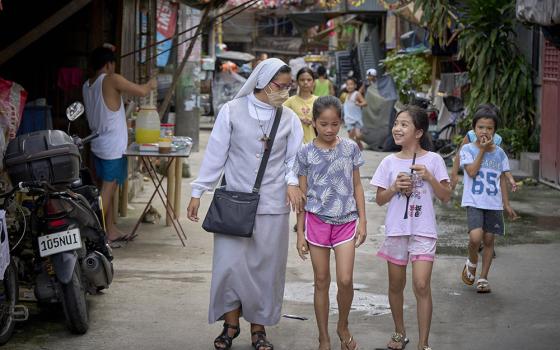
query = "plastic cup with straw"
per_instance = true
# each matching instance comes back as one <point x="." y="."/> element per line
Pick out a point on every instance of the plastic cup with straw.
<point x="408" y="195"/>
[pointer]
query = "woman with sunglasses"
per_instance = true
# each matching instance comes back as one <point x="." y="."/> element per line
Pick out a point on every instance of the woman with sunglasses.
<point x="248" y="274"/>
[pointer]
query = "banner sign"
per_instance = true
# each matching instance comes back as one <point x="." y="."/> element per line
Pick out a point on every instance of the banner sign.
<point x="166" y="24"/>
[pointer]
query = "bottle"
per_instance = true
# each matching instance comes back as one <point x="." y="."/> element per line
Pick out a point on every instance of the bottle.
<point x="147" y="125"/>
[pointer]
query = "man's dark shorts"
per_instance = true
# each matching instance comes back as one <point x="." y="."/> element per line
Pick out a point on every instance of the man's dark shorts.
<point x="491" y="221"/>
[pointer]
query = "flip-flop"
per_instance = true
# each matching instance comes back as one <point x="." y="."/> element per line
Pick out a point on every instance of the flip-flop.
<point x="466" y="275"/>
<point x="116" y="244"/>
<point x="482" y="286"/>
<point x="130" y="237"/>
<point x="399" y="338"/>
<point x="122" y="238"/>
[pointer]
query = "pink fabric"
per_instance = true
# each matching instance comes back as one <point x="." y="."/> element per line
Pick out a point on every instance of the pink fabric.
<point x="398" y="250"/>
<point x="326" y="235"/>
<point x="12" y="102"/>
<point x="70" y="78"/>
<point x="421" y="215"/>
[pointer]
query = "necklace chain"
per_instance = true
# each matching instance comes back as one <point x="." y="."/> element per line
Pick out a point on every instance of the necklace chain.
<point x="265" y="137"/>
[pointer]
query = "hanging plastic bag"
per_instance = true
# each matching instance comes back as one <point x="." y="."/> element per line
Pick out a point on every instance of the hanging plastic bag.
<point x="224" y="88"/>
<point x="543" y="12"/>
<point x="12" y="102"/>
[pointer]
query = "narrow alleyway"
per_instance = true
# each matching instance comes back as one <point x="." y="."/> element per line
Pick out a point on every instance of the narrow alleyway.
<point x="159" y="297"/>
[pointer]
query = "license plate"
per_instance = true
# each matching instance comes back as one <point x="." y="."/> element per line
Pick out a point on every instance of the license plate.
<point x="60" y="242"/>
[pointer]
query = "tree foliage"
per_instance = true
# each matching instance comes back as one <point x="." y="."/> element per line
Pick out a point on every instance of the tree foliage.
<point x="410" y="72"/>
<point x="498" y="71"/>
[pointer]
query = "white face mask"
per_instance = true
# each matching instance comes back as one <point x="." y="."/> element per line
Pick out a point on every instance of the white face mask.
<point x="277" y="98"/>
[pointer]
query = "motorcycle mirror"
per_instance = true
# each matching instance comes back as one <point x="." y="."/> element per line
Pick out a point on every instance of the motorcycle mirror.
<point x="74" y="111"/>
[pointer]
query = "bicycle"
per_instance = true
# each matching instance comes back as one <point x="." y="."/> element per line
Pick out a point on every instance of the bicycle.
<point x="443" y="139"/>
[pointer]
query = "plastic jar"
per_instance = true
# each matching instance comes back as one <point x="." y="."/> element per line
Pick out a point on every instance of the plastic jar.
<point x="147" y="125"/>
<point x="167" y="130"/>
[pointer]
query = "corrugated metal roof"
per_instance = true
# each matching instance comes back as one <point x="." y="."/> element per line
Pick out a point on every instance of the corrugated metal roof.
<point x="201" y="4"/>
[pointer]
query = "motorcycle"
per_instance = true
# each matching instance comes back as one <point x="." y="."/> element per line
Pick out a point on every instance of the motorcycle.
<point x="62" y="253"/>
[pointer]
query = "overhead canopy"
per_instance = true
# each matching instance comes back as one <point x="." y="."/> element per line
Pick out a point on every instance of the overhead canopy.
<point x="201" y="4"/>
<point x="235" y="56"/>
<point x="313" y="16"/>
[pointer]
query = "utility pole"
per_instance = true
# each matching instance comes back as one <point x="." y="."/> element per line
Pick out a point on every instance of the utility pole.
<point x="187" y="89"/>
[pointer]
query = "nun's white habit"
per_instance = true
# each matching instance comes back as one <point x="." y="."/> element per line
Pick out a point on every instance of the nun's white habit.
<point x="249" y="273"/>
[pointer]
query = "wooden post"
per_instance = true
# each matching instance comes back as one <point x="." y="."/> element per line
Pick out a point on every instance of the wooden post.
<point x="179" y="70"/>
<point x="434" y="70"/>
<point x="398" y="32"/>
<point x="178" y="186"/>
<point x="170" y="189"/>
<point x="115" y="206"/>
<point x="124" y="199"/>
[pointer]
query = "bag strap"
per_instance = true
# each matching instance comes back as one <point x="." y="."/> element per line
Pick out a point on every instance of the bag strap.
<point x="266" y="153"/>
<point x="267" y="150"/>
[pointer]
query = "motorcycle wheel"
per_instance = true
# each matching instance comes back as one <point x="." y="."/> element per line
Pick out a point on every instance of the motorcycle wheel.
<point x="8" y="299"/>
<point x="74" y="303"/>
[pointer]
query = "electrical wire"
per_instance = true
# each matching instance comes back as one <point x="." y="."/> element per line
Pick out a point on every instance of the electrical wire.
<point x="253" y="2"/>
<point x="263" y="26"/>
<point x="199" y="34"/>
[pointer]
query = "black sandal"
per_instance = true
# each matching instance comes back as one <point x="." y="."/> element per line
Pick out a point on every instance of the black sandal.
<point x="224" y="337"/>
<point x="261" y="342"/>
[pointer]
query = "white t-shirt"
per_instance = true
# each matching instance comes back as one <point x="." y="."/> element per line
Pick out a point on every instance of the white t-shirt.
<point x="484" y="191"/>
<point x="421" y="219"/>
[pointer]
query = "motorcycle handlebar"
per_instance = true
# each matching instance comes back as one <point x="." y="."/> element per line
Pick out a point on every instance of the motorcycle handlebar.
<point x="81" y="142"/>
<point x="25" y="186"/>
<point x="89" y="138"/>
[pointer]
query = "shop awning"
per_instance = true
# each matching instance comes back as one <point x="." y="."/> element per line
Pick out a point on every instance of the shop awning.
<point x="314" y="16"/>
<point x="201" y="4"/>
<point x="235" y="56"/>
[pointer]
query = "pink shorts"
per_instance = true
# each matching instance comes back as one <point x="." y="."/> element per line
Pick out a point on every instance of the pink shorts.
<point x="399" y="249"/>
<point x="326" y="235"/>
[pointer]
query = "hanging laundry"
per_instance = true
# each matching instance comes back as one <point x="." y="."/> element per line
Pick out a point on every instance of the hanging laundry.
<point x="70" y="78"/>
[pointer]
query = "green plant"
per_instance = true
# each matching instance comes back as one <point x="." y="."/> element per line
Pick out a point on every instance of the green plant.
<point x="436" y="16"/>
<point x="498" y="71"/>
<point x="409" y="71"/>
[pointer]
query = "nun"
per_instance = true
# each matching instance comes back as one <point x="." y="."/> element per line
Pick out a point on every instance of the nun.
<point x="248" y="274"/>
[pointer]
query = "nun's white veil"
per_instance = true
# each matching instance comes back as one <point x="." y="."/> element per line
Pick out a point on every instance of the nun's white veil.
<point x="261" y="76"/>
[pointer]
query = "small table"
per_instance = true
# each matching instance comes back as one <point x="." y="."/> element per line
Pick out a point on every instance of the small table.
<point x="173" y="187"/>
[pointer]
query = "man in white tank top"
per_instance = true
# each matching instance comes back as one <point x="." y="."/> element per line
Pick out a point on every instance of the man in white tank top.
<point x="105" y="113"/>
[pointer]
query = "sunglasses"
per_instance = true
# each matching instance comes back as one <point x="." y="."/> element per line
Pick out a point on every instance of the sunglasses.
<point x="281" y="86"/>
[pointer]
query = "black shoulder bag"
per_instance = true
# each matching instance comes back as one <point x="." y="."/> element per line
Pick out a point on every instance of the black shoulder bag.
<point x="233" y="213"/>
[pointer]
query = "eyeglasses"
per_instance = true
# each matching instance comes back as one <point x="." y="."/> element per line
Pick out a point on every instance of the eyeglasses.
<point x="281" y="86"/>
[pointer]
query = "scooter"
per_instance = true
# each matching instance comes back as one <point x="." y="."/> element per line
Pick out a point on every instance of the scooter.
<point x="64" y="254"/>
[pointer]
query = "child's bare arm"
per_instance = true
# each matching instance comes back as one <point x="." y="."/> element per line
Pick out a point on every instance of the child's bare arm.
<point x="457" y="164"/>
<point x="505" y="197"/>
<point x="361" y="206"/>
<point x="302" y="247"/>
<point x="473" y="168"/>
<point x="442" y="189"/>
<point x="360" y="101"/>
<point x="511" y="181"/>
<point x="301" y="215"/>
<point x="384" y="195"/>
